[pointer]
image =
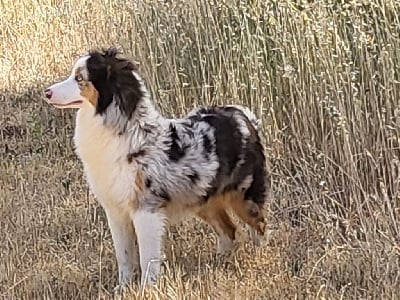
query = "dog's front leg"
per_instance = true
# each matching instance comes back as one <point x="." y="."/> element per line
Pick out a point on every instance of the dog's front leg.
<point x="150" y="228"/>
<point x="125" y="245"/>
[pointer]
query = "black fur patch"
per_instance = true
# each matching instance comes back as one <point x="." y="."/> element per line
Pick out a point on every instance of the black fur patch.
<point x="131" y="156"/>
<point x="258" y="189"/>
<point x="228" y="143"/>
<point x="162" y="194"/>
<point x="148" y="183"/>
<point x="194" y="177"/>
<point x="113" y="79"/>
<point x="207" y="146"/>
<point x="176" y="151"/>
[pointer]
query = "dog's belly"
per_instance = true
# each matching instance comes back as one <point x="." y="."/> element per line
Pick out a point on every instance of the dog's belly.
<point x="182" y="206"/>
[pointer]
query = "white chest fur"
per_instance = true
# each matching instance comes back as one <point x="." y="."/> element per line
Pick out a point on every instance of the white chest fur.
<point x="104" y="157"/>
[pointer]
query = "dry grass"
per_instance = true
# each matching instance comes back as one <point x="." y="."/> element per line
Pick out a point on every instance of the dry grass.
<point x="325" y="78"/>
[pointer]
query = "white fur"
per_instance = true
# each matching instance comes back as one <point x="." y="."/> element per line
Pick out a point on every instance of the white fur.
<point x="111" y="179"/>
<point x="150" y="227"/>
<point x="125" y="244"/>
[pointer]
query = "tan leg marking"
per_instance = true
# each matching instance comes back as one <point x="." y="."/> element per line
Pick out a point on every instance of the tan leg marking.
<point x="215" y="215"/>
<point x="250" y="213"/>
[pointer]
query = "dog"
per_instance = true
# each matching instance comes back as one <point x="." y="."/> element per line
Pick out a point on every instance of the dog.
<point x="148" y="171"/>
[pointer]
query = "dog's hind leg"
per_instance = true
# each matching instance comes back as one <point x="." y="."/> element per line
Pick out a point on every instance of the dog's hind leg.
<point x="215" y="215"/>
<point x="250" y="213"/>
<point x="250" y="205"/>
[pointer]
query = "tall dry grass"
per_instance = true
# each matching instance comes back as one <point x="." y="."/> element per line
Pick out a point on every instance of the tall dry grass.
<point x="324" y="77"/>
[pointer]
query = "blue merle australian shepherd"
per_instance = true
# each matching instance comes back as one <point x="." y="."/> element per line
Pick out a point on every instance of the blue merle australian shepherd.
<point x="148" y="171"/>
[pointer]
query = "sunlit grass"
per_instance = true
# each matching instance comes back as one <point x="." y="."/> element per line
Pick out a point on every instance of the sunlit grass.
<point x="324" y="77"/>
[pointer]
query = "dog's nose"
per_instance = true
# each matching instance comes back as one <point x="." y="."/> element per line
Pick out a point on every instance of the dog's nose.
<point x="48" y="93"/>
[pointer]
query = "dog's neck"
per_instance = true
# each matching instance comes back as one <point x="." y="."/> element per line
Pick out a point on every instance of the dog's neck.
<point x="145" y="124"/>
<point x="146" y="115"/>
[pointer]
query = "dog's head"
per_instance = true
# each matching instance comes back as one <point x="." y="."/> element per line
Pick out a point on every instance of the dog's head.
<point x="98" y="79"/>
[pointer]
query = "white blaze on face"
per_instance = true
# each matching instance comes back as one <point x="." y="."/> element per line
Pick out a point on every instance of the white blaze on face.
<point x="67" y="93"/>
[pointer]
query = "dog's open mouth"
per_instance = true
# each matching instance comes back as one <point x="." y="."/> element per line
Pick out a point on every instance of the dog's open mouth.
<point x="70" y="104"/>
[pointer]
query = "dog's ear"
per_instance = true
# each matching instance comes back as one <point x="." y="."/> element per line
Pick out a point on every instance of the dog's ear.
<point x="126" y="86"/>
<point x="104" y="88"/>
<point x="114" y="80"/>
<point x="99" y="75"/>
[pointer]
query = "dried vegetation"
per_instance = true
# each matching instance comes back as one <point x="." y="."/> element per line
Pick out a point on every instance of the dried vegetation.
<point x="323" y="75"/>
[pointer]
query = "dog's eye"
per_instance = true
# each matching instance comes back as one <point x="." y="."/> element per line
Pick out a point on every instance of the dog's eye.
<point x="78" y="78"/>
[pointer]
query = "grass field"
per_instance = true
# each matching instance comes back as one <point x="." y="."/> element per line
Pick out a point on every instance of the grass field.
<point x="325" y="78"/>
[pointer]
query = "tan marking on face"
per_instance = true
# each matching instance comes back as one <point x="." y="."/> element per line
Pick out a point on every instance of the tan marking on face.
<point x="87" y="89"/>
